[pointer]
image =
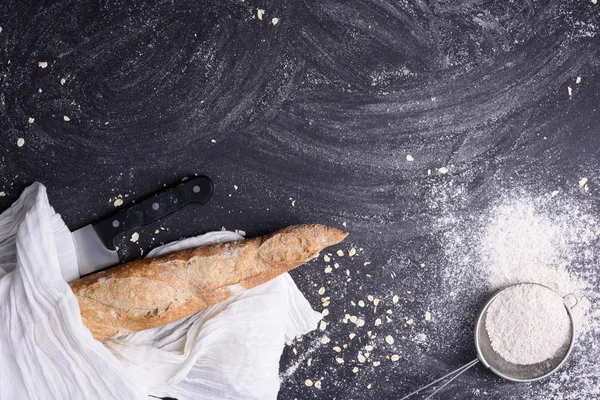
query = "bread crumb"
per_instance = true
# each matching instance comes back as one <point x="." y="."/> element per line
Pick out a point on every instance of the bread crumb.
<point x="409" y="158"/>
<point x="360" y="322"/>
<point x="326" y="258"/>
<point x="378" y="322"/>
<point x="582" y="182"/>
<point x="294" y="351"/>
<point x="240" y="232"/>
<point x="353" y="319"/>
<point x="427" y="316"/>
<point x="594" y="1"/>
<point x="339" y="360"/>
<point x="369" y="333"/>
<point x="376" y="302"/>
<point x="309" y="362"/>
<point x="352" y="336"/>
<point x="355" y="370"/>
<point x="67" y="119"/>
<point x="63" y="81"/>
<point x="322" y="325"/>
<point x="340" y="253"/>
<point x="118" y="202"/>
<point x="395" y="357"/>
<point x="327" y="269"/>
<point x="42" y="64"/>
<point x="318" y="384"/>
<point x="156" y="231"/>
<point x="30" y="120"/>
<point x="578" y="80"/>
<point x="361" y="303"/>
<point x="389" y="339"/>
<point x="20" y="142"/>
<point x="213" y="141"/>
<point x="336" y="265"/>
<point x="325" y="340"/>
<point x="369" y="348"/>
<point x="370" y="298"/>
<point x="410" y="322"/>
<point x="389" y="312"/>
<point x="2" y="194"/>
<point x="275" y="21"/>
<point x="135" y="237"/>
<point x="376" y="363"/>
<point x="337" y="349"/>
<point x="325" y="303"/>
<point x="308" y="382"/>
<point x="235" y="187"/>
<point x="367" y="263"/>
<point x="325" y="312"/>
<point x="369" y="386"/>
<point x="361" y="358"/>
<point x="570" y="91"/>
<point x="259" y="13"/>
<point x="352" y="252"/>
<point x="443" y="170"/>
<point x="322" y="291"/>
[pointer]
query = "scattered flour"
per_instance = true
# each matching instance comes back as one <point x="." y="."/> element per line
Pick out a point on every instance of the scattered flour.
<point x="528" y="324"/>
<point x="516" y="237"/>
<point x="523" y="245"/>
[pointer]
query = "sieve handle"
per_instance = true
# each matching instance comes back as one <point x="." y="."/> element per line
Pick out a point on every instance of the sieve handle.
<point x="457" y="372"/>
<point x="571" y="296"/>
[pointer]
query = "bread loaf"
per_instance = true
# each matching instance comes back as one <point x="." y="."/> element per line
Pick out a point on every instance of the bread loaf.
<point x="147" y="293"/>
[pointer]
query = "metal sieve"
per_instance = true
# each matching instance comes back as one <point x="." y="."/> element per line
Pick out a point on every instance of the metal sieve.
<point x="507" y="370"/>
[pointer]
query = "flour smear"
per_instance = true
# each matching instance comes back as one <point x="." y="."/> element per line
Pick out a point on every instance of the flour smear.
<point x="518" y="238"/>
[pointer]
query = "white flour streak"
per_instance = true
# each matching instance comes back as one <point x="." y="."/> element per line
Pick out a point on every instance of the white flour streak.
<point x="303" y="356"/>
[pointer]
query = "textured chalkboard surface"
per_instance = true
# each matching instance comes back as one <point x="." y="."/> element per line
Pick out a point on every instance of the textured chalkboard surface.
<point x="310" y="118"/>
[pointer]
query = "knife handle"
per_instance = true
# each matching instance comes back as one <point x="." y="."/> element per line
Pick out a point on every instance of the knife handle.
<point x="197" y="190"/>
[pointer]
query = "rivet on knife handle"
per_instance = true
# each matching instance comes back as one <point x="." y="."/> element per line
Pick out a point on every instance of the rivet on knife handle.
<point x="197" y="190"/>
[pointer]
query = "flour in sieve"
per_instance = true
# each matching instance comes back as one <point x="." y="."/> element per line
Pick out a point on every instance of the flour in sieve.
<point x="528" y="324"/>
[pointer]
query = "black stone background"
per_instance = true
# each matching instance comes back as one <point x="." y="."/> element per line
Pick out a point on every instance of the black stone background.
<point x="312" y="119"/>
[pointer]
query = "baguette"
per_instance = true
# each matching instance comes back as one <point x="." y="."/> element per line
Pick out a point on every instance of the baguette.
<point x="148" y="293"/>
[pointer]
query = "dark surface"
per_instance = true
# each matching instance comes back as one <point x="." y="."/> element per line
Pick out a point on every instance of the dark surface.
<point x="312" y="119"/>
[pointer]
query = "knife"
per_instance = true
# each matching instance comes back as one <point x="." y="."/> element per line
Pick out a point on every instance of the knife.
<point x="94" y="243"/>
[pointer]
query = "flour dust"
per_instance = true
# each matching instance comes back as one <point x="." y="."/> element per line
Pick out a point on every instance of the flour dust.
<point x="519" y="237"/>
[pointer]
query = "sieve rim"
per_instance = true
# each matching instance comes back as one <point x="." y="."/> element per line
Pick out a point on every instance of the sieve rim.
<point x="480" y="325"/>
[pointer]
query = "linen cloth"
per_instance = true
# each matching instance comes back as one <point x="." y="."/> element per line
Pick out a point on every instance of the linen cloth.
<point x="228" y="351"/>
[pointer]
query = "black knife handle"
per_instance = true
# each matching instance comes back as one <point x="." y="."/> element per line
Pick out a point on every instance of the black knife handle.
<point x="197" y="190"/>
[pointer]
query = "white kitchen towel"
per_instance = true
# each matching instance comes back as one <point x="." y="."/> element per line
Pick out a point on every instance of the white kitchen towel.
<point x="228" y="351"/>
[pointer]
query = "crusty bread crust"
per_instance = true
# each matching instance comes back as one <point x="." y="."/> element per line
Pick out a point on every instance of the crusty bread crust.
<point x="148" y="293"/>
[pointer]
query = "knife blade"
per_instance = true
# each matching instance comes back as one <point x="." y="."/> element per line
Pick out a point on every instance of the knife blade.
<point x="94" y="243"/>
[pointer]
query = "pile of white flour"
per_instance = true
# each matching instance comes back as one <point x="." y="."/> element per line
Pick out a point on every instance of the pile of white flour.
<point x="528" y="324"/>
<point x="522" y="245"/>
<point x="517" y="237"/>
